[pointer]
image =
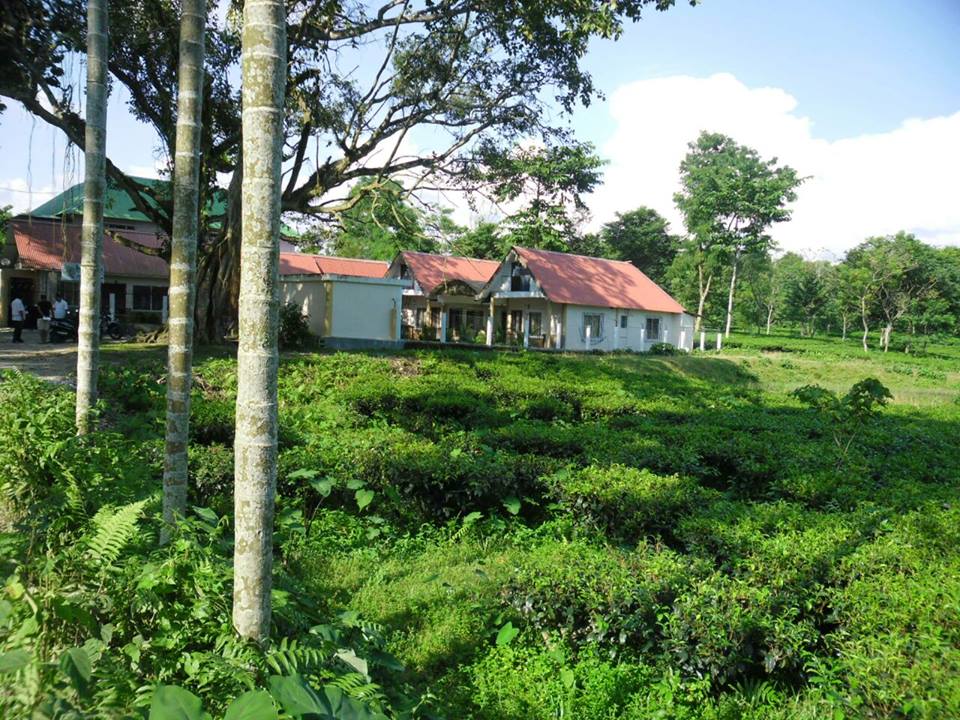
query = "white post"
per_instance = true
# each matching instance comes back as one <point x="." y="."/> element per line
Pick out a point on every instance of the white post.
<point x="443" y="324"/>
<point x="616" y="331"/>
<point x="587" y="335"/>
<point x="490" y="327"/>
<point x="703" y="341"/>
<point x="559" y="341"/>
<point x="164" y="310"/>
<point x="683" y="339"/>
<point x="526" y="328"/>
<point x="643" y="338"/>
<point x="113" y="306"/>
<point x="719" y="341"/>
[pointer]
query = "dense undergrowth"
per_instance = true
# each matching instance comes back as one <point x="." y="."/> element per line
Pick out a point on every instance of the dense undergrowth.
<point x="480" y="535"/>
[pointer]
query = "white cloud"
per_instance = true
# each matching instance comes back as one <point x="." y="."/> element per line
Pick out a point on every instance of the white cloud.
<point x="859" y="186"/>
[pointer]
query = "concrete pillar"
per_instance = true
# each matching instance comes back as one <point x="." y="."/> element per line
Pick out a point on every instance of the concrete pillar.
<point x="558" y="343"/>
<point x="643" y="338"/>
<point x="113" y="306"/>
<point x="586" y="335"/>
<point x="616" y="331"/>
<point x="719" y="341"/>
<point x="703" y="341"/>
<point x="443" y="324"/>
<point x="526" y="328"/>
<point x="683" y="339"/>
<point x="490" y="324"/>
<point x="164" y="310"/>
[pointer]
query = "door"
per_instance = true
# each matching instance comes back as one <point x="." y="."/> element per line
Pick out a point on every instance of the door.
<point x="119" y="291"/>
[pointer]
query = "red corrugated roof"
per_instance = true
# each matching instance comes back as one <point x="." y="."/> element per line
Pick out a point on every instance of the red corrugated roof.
<point x="48" y="245"/>
<point x="292" y="263"/>
<point x="581" y="280"/>
<point x="432" y="271"/>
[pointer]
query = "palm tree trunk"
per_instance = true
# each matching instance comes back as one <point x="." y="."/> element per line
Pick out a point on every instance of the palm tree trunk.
<point x="94" y="190"/>
<point x="263" y="72"/>
<point x="183" y="260"/>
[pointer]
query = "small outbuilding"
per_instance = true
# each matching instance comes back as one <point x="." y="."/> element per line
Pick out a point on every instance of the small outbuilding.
<point x="348" y="301"/>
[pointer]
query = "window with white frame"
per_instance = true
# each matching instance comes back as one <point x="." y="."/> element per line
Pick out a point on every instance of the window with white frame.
<point x="653" y="328"/>
<point x="593" y="321"/>
<point x="536" y="324"/>
<point x="623" y="322"/>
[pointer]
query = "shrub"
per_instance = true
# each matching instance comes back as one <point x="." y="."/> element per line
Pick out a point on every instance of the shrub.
<point x="211" y="476"/>
<point x="663" y="349"/>
<point x="626" y="502"/>
<point x="294" y="328"/>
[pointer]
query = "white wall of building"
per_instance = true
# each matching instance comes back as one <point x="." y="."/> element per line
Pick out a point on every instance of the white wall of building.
<point x="347" y="307"/>
<point x="675" y="329"/>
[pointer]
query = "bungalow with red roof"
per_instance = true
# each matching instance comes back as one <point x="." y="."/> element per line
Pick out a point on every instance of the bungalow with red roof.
<point x="348" y="301"/>
<point x="540" y="298"/>
<point x="441" y="302"/>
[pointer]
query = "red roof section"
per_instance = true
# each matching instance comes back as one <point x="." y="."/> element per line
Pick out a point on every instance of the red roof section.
<point x="581" y="280"/>
<point x="292" y="263"/>
<point x="432" y="271"/>
<point x="48" y="245"/>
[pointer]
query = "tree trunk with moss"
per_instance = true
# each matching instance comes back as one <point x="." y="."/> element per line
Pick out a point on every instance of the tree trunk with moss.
<point x="183" y="260"/>
<point x="263" y="74"/>
<point x="94" y="190"/>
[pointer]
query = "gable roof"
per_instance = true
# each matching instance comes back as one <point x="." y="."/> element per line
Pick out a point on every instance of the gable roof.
<point x="582" y="280"/>
<point x="434" y="271"/>
<point x="45" y="245"/>
<point x="293" y="263"/>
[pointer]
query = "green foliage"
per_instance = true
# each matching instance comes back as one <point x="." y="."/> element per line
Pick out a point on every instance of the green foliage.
<point x="294" y="328"/>
<point x="642" y="237"/>
<point x="379" y="223"/>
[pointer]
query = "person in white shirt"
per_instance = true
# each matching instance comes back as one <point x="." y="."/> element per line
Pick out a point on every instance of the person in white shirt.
<point x="60" y="308"/>
<point x="18" y="313"/>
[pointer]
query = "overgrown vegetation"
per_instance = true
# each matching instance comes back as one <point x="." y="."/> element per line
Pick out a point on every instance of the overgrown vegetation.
<point x="517" y="535"/>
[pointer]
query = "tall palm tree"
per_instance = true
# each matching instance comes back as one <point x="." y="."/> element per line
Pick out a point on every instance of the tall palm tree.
<point x="183" y="260"/>
<point x="94" y="190"/>
<point x="263" y="75"/>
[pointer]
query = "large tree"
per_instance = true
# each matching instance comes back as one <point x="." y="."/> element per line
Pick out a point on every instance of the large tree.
<point x="183" y="260"/>
<point x="94" y="194"/>
<point x="730" y="197"/>
<point x="475" y="77"/>
<point x="255" y="446"/>
<point x="380" y="223"/>
<point x="642" y="237"/>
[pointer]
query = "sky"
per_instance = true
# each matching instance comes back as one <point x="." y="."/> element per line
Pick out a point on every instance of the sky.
<point x="860" y="96"/>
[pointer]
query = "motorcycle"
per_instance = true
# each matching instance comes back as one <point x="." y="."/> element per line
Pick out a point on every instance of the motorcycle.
<point x="65" y="330"/>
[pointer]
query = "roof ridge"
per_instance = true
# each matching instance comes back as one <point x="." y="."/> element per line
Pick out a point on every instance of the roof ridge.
<point x="570" y="254"/>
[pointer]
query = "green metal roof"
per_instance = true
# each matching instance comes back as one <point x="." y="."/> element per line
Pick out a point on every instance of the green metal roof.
<point x="119" y="206"/>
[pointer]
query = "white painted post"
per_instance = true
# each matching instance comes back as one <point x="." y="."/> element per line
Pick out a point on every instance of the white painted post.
<point x="719" y="341"/>
<point x="490" y="328"/>
<point x="616" y="331"/>
<point x="559" y="341"/>
<point x="703" y="341"/>
<point x="587" y="335"/>
<point x="443" y="324"/>
<point x="113" y="306"/>
<point x="164" y="310"/>
<point x="683" y="339"/>
<point x="643" y="338"/>
<point x="526" y="328"/>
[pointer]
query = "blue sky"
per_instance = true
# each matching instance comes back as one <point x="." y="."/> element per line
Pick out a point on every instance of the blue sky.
<point x="856" y="66"/>
<point x="862" y="95"/>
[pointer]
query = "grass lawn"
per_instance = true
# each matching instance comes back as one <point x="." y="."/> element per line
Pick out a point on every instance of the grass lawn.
<point x="533" y="535"/>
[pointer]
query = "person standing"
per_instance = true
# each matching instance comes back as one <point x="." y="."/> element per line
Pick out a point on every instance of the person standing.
<point x="43" y="322"/>
<point x="18" y="314"/>
<point x="60" y="308"/>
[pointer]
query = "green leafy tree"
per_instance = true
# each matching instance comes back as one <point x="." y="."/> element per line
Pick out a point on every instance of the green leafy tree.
<point x="379" y="224"/>
<point x="549" y="183"/>
<point x="591" y="245"/>
<point x="899" y="272"/>
<point x="484" y="241"/>
<point x="642" y="237"/>
<point x="806" y="288"/>
<point x="479" y="76"/>
<point x="730" y="197"/>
